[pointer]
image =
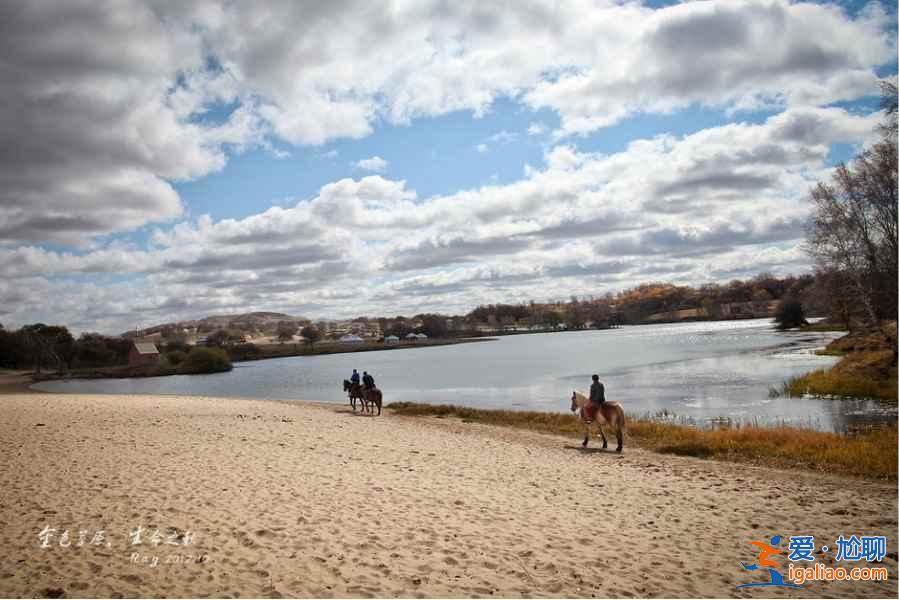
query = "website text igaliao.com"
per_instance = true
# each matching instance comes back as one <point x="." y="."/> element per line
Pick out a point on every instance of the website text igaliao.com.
<point x="819" y="572"/>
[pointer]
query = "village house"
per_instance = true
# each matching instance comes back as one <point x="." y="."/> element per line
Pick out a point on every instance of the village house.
<point x="143" y="353"/>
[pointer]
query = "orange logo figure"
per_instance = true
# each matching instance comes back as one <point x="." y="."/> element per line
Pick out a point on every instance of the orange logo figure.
<point x="764" y="552"/>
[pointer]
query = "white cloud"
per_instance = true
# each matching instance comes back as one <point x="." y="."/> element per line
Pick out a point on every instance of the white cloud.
<point x="537" y="128"/>
<point x="718" y="203"/>
<point x="107" y="105"/>
<point x="375" y="163"/>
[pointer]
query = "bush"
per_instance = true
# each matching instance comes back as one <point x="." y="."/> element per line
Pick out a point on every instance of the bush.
<point x="205" y="360"/>
<point x="789" y="314"/>
<point x="175" y="357"/>
<point x="243" y="351"/>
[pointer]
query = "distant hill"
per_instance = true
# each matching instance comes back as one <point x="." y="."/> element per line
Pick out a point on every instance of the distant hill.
<point x="252" y="322"/>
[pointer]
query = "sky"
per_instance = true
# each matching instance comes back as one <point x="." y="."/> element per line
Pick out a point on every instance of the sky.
<point x="163" y="161"/>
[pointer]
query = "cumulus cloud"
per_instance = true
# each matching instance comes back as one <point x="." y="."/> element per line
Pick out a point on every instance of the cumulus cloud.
<point x="718" y="203"/>
<point x="106" y="105"/>
<point x="375" y="163"/>
<point x="98" y="114"/>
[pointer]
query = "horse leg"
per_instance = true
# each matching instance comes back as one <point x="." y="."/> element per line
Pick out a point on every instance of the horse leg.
<point x="602" y="434"/>
<point x="586" y="436"/>
<point x="620" y="435"/>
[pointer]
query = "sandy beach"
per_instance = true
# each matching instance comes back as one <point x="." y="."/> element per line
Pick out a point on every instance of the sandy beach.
<point x="271" y="499"/>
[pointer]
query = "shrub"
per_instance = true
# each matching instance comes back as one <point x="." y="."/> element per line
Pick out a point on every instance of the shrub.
<point x="205" y="360"/>
<point x="175" y="357"/>
<point x="789" y="314"/>
<point x="243" y="351"/>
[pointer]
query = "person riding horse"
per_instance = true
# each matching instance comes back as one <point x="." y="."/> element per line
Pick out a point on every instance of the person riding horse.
<point x="368" y="381"/>
<point x="354" y="378"/>
<point x="597" y="396"/>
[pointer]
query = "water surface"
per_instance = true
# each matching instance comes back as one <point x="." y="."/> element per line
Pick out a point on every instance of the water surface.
<point x="696" y="371"/>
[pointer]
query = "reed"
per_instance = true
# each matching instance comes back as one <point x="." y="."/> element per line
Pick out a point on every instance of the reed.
<point x="871" y="454"/>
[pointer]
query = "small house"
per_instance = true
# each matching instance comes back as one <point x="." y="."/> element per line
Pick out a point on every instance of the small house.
<point x="350" y="339"/>
<point x="391" y="339"/>
<point x="143" y="353"/>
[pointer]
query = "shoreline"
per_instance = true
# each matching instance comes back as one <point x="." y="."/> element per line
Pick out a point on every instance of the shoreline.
<point x="868" y="455"/>
<point x="128" y="372"/>
<point x="863" y="455"/>
<point x="297" y="499"/>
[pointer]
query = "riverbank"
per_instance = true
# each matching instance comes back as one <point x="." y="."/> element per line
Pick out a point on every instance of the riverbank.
<point x="291" y="499"/>
<point x="241" y="353"/>
<point x="867" y="368"/>
<point x="871" y="454"/>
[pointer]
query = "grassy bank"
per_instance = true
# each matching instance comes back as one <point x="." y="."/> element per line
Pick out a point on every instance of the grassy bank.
<point x="196" y="362"/>
<point x="867" y="368"/>
<point x="871" y="455"/>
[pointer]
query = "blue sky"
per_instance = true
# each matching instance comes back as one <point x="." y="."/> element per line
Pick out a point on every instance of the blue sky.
<point x="197" y="165"/>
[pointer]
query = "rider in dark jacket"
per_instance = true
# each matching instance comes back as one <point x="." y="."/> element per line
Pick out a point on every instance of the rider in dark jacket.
<point x="368" y="381"/>
<point x="597" y="392"/>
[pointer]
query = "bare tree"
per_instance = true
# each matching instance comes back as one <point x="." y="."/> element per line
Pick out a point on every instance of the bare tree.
<point x="853" y="231"/>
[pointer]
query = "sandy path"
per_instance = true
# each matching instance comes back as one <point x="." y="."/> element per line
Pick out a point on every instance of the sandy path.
<point x="299" y="500"/>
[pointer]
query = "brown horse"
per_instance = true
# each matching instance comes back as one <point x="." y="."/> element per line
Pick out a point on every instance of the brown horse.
<point x="372" y="397"/>
<point x="610" y="413"/>
<point x="354" y="390"/>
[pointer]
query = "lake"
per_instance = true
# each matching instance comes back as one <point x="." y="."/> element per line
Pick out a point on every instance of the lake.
<point x="690" y="372"/>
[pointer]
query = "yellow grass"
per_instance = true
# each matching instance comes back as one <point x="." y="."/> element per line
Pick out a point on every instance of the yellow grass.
<point x="859" y="375"/>
<point x="871" y="454"/>
<point x="867" y="369"/>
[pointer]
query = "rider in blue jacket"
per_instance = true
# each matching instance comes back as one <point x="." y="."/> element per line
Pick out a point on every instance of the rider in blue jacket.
<point x="355" y="377"/>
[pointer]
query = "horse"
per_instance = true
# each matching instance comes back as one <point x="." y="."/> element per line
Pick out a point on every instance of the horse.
<point x="610" y="413"/>
<point x="373" y="397"/>
<point x="354" y="390"/>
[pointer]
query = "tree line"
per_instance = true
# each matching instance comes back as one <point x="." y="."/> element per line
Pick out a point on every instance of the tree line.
<point x="40" y="346"/>
<point x="640" y="303"/>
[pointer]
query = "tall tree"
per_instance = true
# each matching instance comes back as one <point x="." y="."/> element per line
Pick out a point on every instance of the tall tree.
<point x="853" y="232"/>
<point x="312" y="334"/>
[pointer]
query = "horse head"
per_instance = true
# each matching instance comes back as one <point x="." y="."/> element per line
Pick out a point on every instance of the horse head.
<point x="346" y="385"/>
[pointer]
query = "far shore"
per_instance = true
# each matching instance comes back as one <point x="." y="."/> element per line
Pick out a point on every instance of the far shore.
<point x="265" y="352"/>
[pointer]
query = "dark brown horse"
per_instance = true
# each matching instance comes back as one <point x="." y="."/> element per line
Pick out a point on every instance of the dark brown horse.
<point x="354" y="391"/>
<point x="371" y="398"/>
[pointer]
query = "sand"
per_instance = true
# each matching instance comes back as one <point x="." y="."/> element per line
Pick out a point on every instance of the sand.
<point x="295" y="499"/>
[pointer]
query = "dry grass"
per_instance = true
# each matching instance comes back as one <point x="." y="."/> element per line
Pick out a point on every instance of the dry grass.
<point x="861" y="374"/>
<point x="867" y="369"/>
<point x="871" y="454"/>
